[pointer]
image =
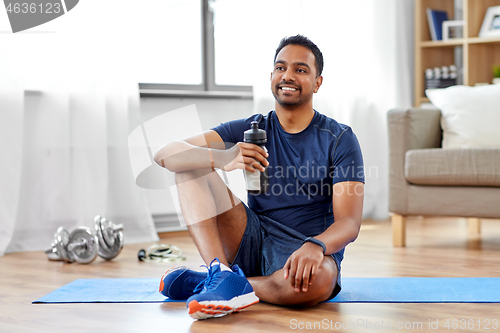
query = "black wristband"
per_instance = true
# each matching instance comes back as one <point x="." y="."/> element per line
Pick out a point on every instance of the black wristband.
<point x="315" y="241"/>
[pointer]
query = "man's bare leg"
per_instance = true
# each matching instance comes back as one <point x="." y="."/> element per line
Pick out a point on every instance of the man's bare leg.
<point x="276" y="290"/>
<point x="216" y="219"/>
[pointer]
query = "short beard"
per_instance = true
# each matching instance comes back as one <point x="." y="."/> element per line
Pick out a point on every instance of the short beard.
<point x="286" y="103"/>
<point x="276" y="98"/>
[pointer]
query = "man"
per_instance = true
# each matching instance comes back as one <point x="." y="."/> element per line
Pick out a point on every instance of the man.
<point x="286" y="246"/>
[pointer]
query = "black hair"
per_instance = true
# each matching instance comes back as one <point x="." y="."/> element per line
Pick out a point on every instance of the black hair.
<point x="306" y="42"/>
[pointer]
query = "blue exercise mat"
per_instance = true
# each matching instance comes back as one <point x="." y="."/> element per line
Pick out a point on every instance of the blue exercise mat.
<point x="354" y="290"/>
<point x="419" y="290"/>
<point x="107" y="291"/>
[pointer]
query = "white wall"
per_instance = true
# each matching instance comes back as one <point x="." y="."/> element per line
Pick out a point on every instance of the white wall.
<point x="211" y="111"/>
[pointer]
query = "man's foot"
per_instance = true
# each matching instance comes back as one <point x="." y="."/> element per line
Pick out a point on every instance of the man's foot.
<point x="224" y="291"/>
<point x="179" y="283"/>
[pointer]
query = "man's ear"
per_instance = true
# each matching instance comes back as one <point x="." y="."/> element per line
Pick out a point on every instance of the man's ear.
<point x="271" y="77"/>
<point x="319" y="81"/>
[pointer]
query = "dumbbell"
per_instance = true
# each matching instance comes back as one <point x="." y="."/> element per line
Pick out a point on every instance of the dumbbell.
<point x="110" y="237"/>
<point x="81" y="245"/>
<point x="58" y="246"/>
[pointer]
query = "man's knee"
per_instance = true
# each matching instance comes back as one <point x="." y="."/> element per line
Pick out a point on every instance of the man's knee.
<point x="326" y="280"/>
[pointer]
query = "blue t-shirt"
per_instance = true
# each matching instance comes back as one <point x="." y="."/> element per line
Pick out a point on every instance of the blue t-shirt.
<point x="302" y="169"/>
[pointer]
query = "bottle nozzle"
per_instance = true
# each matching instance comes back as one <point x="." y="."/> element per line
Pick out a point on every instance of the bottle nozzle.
<point x="255" y="135"/>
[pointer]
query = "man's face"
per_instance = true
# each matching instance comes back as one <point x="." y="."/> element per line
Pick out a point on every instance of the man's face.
<point x="293" y="80"/>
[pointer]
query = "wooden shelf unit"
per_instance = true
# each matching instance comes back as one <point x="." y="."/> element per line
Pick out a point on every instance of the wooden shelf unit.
<point x="479" y="54"/>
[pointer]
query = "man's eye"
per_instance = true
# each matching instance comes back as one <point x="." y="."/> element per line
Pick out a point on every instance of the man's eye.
<point x="279" y="68"/>
<point x="301" y="70"/>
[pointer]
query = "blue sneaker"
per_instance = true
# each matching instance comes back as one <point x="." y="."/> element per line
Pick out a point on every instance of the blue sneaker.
<point x="179" y="283"/>
<point x="223" y="292"/>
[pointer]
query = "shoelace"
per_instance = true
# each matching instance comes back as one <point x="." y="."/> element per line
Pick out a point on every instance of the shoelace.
<point x="210" y="277"/>
<point x="196" y="286"/>
<point x="200" y="286"/>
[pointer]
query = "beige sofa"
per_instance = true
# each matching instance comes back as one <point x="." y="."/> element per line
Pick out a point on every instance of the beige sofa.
<point x="427" y="180"/>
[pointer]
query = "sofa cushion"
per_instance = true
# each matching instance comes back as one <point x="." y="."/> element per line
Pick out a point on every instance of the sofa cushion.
<point x="470" y="115"/>
<point x="461" y="167"/>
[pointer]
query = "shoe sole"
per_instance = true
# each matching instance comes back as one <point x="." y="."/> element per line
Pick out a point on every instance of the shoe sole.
<point x="213" y="309"/>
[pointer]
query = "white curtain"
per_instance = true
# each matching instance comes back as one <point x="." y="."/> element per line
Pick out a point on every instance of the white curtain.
<point x="68" y="102"/>
<point x="368" y="52"/>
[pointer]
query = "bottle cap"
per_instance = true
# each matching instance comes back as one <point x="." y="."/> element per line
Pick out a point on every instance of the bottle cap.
<point x="255" y="135"/>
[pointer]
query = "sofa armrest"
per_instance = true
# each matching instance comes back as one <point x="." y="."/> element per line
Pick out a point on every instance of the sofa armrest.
<point x="408" y="129"/>
<point x="418" y="128"/>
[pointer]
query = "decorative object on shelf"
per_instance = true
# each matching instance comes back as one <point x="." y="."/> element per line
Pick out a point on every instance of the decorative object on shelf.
<point x="496" y="75"/>
<point x="491" y="23"/>
<point x="455" y="26"/>
<point x="436" y="19"/>
<point x="474" y="56"/>
<point x="440" y="77"/>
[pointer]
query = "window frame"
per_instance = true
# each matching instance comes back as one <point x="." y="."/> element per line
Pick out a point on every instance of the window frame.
<point x="208" y="87"/>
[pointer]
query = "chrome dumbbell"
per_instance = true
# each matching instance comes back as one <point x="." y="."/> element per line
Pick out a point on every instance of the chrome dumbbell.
<point x="81" y="245"/>
<point x="58" y="249"/>
<point x="110" y="237"/>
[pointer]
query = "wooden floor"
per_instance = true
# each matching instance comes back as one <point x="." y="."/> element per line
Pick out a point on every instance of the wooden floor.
<point x="436" y="248"/>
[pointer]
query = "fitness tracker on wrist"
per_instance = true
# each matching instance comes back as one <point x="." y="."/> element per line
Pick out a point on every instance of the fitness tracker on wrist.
<point x="315" y="241"/>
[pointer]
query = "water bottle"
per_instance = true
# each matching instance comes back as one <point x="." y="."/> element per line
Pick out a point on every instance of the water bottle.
<point x="256" y="182"/>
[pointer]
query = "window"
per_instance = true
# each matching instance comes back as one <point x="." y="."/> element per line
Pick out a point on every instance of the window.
<point x="175" y="45"/>
<point x="198" y="51"/>
<point x="240" y="51"/>
<point x="152" y="41"/>
<point x="171" y="42"/>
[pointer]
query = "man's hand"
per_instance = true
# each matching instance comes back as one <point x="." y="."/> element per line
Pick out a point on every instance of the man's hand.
<point x="246" y="156"/>
<point x="303" y="265"/>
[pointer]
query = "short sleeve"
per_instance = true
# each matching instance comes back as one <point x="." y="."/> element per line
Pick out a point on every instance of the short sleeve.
<point x="231" y="132"/>
<point x="347" y="159"/>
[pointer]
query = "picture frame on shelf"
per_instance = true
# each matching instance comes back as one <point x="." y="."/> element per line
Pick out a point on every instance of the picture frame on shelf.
<point x="491" y="23"/>
<point x="456" y="28"/>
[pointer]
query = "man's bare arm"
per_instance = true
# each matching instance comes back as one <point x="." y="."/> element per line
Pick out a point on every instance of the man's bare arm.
<point x="190" y="153"/>
<point x="303" y="265"/>
<point x="206" y="150"/>
<point x="347" y="205"/>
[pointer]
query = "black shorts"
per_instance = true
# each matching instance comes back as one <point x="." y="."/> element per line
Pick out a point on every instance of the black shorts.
<point x="266" y="246"/>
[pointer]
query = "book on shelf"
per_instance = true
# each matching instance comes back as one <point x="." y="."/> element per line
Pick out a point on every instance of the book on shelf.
<point x="439" y="83"/>
<point x="436" y="19"/>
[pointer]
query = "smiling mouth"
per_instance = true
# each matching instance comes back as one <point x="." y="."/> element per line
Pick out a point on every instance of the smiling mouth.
<point x="288" y="89"/>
